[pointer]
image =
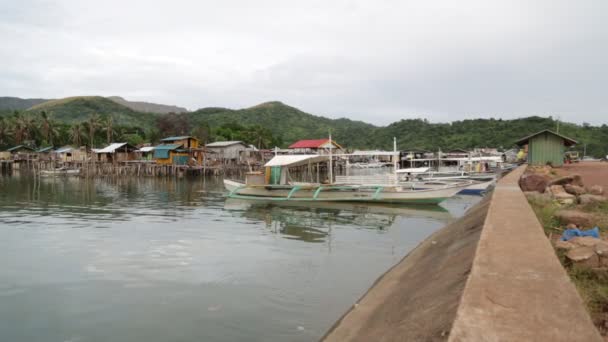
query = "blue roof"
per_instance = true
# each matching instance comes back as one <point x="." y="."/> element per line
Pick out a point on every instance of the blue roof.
<point x="176" y="138"/>
<point x="167" y="147"/>
<point x="45" y="149"/>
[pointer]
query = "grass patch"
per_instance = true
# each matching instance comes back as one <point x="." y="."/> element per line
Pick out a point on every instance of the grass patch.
<point x="592" y="285"/>
<point x="545" y="212"/>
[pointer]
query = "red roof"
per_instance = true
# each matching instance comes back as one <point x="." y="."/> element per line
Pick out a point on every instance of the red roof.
<point x="309" y="143"/>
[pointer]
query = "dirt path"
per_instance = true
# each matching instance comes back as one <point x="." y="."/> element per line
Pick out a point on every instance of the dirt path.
<point x="593" y="173"/>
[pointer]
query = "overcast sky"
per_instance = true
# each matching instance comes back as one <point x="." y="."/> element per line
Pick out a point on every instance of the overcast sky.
<point x="376" y="61"/>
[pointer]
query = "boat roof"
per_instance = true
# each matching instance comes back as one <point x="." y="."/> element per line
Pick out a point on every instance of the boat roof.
<point x="296" y="159"/>
<point x="413" y="170"/>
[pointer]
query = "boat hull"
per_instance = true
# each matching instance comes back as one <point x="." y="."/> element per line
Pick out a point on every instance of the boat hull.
<point x="340" y="194"/>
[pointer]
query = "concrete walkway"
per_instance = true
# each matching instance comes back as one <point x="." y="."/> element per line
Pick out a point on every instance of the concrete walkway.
<point x="490" y="276"/>
<point x="517" y="289"/>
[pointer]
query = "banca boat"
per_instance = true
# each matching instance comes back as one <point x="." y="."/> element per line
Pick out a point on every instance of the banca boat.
<point x="276" y="184"/>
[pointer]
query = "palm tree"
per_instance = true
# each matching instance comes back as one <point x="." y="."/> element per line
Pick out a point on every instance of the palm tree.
<point x="109" y="129"/>
<point x="93" y="124"/>
<point x="77" y="134"/>
<point x="48" y="128"/>
<point x="18" y="128"/>
<point x="4" y="131"/>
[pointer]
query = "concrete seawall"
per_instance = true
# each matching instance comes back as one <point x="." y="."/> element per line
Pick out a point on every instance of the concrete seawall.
<point x="490" y="276"/>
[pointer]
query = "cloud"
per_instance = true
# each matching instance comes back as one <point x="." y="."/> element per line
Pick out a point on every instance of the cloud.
<point x="377" y="61"/>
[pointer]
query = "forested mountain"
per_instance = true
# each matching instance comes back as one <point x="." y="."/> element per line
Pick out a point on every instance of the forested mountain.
<point x="15" y="103"/>
<point x="267" y="125"/>
<point x="148" y="107"/>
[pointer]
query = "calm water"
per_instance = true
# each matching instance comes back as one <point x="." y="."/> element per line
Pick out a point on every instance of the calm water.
<point x="172" y="260"/>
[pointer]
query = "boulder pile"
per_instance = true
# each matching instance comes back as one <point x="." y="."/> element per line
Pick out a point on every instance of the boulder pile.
<point x="585" y="251"/>
<point x="565" y="190"/>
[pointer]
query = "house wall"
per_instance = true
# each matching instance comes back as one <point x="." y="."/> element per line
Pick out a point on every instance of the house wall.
<point x="187" y="143"/>
<point x="546" y="148"/>
<point x="171" y="159"/>
<point x="5" y="155"/>
<point x="228" y="152"/>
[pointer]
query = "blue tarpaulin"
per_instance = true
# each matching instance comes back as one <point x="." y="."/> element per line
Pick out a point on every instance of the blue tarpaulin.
<point x="574" y="232"/>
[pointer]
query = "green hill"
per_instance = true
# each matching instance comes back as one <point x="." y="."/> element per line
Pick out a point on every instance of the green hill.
<point x="15" y="103"/>
<point x="289" y="123"/>
<point x="148" y="107"/>
<point x="286" y="124"/>
<point x="77" y="109"/>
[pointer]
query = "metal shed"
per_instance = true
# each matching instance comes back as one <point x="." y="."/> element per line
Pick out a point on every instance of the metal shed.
<point x="546" y="147"/>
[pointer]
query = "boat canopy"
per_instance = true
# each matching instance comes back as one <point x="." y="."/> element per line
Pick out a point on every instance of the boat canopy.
<point x="296" y="160"/>
<point x="413" y="170"/>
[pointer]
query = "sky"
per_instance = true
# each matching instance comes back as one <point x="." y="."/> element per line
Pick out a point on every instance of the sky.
<point x="377" y="61"/>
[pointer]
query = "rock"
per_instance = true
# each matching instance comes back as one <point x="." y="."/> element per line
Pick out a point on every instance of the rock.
<point x="589" y="198"/>
<point x="596" y="190"/>
<point x="571" y="179"/>
<point x="588" y="241"/>
<point x="571" y="226"/>
<point x="558" y="193"/>
<point x="576" y="217"/>
<point x="601" y="248"/>
<point x="533" y="182"/>
<point x="584" y="256"/>
<point x="574" y="189"/>
<point x="567" y="245"/>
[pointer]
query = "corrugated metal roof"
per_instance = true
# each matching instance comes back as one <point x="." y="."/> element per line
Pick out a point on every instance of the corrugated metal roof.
<point x="18" y="147"/>
<point x="316" y="143"/>
<point x="176" y="138"/>
<point x="167" y="147"/>
<point x="64" y="149"/>
<point x="225" y="143"/>
<point x="111" y="148"/>
<point x="296" y="159"/>
<point x="45" y="149"/>
<point x="567" y="141"/>
<point x="146" y="149"/>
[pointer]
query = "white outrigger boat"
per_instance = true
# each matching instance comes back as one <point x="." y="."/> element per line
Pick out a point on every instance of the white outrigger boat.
<point x="276" y="184"/>
<point x="480" y="182"/>
<point x="60" y="172"/>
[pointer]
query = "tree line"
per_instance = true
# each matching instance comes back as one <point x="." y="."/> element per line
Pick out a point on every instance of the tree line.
<point x="42" y="129"/>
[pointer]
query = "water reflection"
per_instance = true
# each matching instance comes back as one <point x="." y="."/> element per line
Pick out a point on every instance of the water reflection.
<point x="176" y="259"/>
<point x="313" y="221"/>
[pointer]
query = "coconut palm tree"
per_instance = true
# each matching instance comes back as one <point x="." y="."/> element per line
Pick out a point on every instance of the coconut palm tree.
<point x="77" y="134"/>
<point x="108" y="124"/>
<point x="93" y="124"/>
<point x="4" y="131"/>
<point x="17" y="128"/>
<point x="48" y="127"/>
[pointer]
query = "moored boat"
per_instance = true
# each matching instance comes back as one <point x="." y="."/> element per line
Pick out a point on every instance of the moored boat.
<point x="276" y="184"/>
<point x="60" y="172"/>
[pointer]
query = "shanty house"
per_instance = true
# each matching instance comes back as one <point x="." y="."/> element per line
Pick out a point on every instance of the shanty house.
<point x="316" y="146"/>
<point x="146" y="152"/>
<point x="546" y="147"/>
<point x="116" y="152"/>
<point x="186" y="141"/>
<point x="171" y="154"/>
<point x="21" y="152"/>
<point x="69" y="154"/>
<point x="227" y="150"/>
<point x="44" y="153"/>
